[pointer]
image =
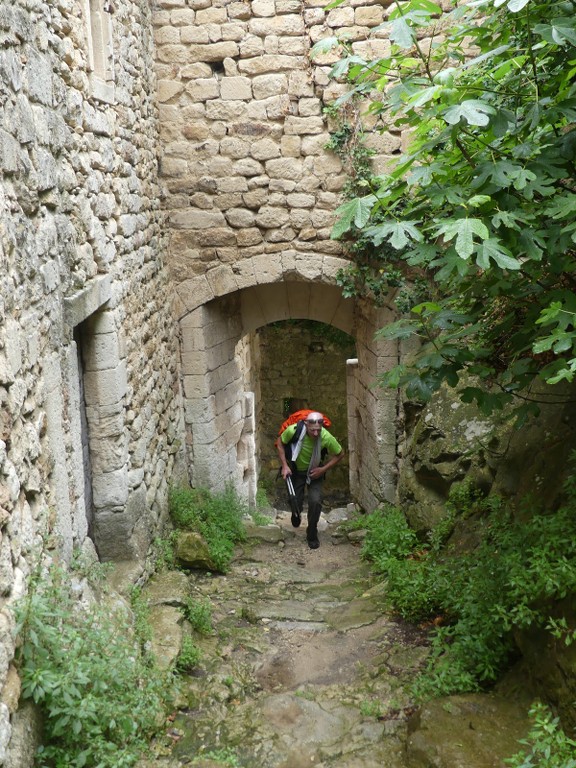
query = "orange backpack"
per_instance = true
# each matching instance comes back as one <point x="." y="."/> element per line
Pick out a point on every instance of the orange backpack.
<point x="301" y="416"/>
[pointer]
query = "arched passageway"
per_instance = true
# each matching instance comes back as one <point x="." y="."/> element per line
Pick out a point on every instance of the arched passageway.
<point x="221" y="383"/>
<point x="301" y="364"/>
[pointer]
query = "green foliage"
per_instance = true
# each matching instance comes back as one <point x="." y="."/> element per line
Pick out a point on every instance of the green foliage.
<point x="189" y="656"/>
<point x="371" y="709"/>
<point x="101" y="696"/>
<point x="346" y="141"/>
<point x="199" y="614"/>
<point x="216" y="516"/>
<point x="480" y="207"/>
<point x="547" y="745"/>
<point x="478" y="599"/>
<point x="388" y="535"/>
<point x="221" y="756"/>
<point x="141" y="612"/>
<point x="258" y="518"/>
<point x="164" y="558"/>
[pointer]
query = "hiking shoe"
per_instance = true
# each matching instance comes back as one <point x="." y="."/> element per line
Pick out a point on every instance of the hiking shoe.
<point x="296" y="519"/>
<point x="313" y="543"/>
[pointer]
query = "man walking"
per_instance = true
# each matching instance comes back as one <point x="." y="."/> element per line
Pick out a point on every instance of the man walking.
<point x="301" y="455"/>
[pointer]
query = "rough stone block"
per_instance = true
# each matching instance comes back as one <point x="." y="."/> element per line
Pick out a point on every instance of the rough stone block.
<point x="247" y="237"/>
<point x="222" y="280"/>
<point x="288" y="24"/>
<point x="271" y="218"/>
<point x="237" y="33"/>
<point x="182" y="17"/>
<point x="304" y="125"/>
<point x="301" y="201"/>
<point x="197" y="219"/>
<point x="369" y="16"/>
<point x="228" y="111"/>
<point x="110" y="490"/>
<point x="340" y="17"/>
<point x="265" y="8"/>
<point x="232" y="88"/>
<point x="267" y="268"/>
<point x="240" y="218"/>
<point x="234" y="147"/>
<point x="211" y="16"/>
<point x="195" y="292"/>
<point x="195" y="385"/>
<point x="284" y="168"/>
<point x="213" y="238"/>
<point x="264" y="86"/>
<point x="212" y="51"/>
<point x="233" y="184"/>
<point x="102" y="351"/>
<point x="309" y="107"/>
<point x="261" y="65"/>
<point x="239" y="11"/>
<point x="203" y="89"/>
<point x="174" y="54"/>
<point x="105" y="387"/>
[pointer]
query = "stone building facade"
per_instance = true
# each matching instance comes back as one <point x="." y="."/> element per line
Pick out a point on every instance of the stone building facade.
<point x="165" y="192"/>
<point x="91" y="428"/>
<point x="250" y="195"/>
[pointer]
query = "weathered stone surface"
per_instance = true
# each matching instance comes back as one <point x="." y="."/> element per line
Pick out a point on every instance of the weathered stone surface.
<point x="166" y="624"/>
<point x="191" y="551"/>
<point x="475" y="730"/>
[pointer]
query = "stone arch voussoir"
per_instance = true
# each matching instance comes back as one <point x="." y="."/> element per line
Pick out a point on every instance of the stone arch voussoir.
<point x="260" y="270"/>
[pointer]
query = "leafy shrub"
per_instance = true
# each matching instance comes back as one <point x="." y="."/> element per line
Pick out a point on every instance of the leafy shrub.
<point x="482" y="597"/>
<point x="388" y="535"/>
<point x="547" y="744"/>
<point x="164" y="559"/>
<point x="189" y="656"/>
<point x="199" y="614"/>
<point x="216" y="516"/>
<point x="100" y="695"/>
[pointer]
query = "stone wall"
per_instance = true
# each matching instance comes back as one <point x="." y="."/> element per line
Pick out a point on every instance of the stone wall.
<point x="243" y="126"/>
<point x="90" y="424"/>
<point x="251" y="190"/>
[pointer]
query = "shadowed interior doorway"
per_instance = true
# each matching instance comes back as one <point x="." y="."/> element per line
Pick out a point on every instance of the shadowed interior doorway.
<point x="302" y="364"/>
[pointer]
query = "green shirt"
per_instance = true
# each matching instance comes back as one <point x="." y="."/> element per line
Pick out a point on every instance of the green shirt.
<point x="303" y="461"/>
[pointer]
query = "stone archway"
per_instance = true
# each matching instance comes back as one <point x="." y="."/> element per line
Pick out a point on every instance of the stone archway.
<point x="218" y="310"/>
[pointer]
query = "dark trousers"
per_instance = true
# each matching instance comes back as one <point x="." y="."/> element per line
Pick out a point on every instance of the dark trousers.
<point x="314" y="501"/>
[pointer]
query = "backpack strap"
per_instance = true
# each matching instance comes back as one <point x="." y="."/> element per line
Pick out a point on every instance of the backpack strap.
<point x="289" y="447"/>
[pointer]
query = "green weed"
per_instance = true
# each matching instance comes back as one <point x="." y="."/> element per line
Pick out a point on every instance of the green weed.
<point x="216" y="516"/>
<point x="101" y="695"/>
<point x="189" y="656"/>
<point x="479" y="598"/>
<point x="199" y="614"/>
<point x="547" y="745"/>
<point x="163" y="548"/>
<point x="371" y="709"/>
<point x="222" y="756"/>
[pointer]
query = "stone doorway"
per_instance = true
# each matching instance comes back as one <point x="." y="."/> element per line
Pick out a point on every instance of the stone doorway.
<point x="302" y="364"/>
<point x="223" y="390"/>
